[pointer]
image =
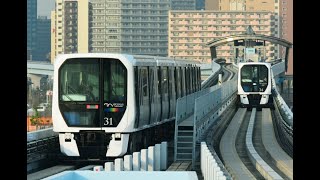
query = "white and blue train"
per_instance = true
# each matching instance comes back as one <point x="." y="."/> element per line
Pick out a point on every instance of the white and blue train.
<point x="108" y="105"/>
<point x="254" y="84"/>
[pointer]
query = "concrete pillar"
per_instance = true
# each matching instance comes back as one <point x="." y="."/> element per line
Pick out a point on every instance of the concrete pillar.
<point x="157" y="157"/>
<point x="210" y="174"/>
<point x="108" y="166"/>
<point x="136" y="161"/>
<point x="144" y="160"/>
<point x="118" y="164"/>
<point x="151" y="158"/>
<point x="208" y="168"/>
<point x="220" y="175"/>
<point x="164" y="156"/>
<point x="217" y="170"/>
<point x="202" y="146"/>
<point x="214" y="170"/>
<point x="98" y="168"/>
<point x="127" y="163"/>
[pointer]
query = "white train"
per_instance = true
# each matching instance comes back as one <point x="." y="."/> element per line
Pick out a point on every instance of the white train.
<point x="254" y="84"/>
<point x="107" y="105"/>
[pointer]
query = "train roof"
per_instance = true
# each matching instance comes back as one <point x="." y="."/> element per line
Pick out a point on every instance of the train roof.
<point x="135" y="60"/>
<point x="254" y="63"/>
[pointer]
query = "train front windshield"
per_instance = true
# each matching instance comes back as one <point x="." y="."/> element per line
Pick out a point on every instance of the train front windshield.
<point x="254" y="78"/>
<point x="92" y="92"/>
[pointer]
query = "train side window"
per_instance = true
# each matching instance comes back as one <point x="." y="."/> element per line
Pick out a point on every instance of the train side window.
<point x="164" y="93"/>
<point x="144" y="96"/>
<point x="199" y="78"/>
<point x="187" y="80"/>
<point x="183" y="82"/>
<point x="145" y="84"/>
<point x="178" y="82"/>
<point x="192" y="79"/>
<point x="136" y="85"/>
<point x="164" y="80"/>
<point x="172" y="93"/>
<point x="170" y="80"/>
<point x="159" y="81"/>
<point x="151" y="85"/>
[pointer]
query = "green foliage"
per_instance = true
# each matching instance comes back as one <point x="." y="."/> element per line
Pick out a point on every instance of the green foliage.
<point x="35" y="118"/>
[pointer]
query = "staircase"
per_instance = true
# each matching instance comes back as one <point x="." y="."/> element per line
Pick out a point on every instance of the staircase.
<point x="184" y="143"/>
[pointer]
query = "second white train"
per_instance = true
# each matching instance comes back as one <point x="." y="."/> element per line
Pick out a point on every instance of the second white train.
<point x="254" y="84"/>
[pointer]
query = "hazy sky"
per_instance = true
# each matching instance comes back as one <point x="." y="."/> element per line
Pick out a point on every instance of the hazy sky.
<point x="45" y="7"/>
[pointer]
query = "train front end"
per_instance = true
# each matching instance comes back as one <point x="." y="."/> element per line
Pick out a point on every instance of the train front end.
<point x="90" y="105"/>
<point x="254" y="84"/>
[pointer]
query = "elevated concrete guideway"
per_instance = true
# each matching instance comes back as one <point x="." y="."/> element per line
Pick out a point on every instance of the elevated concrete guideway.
<point x="38" y="67"/>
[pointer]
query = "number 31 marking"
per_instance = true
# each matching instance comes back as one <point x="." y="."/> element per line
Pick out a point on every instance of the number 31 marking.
<point x="107" y="121"/>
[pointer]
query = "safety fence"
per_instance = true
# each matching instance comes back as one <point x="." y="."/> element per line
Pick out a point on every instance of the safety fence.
<point x="152" y="159"/>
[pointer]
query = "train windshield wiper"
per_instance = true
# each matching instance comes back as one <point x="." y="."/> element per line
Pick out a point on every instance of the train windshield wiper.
<point x="71" y="100"/>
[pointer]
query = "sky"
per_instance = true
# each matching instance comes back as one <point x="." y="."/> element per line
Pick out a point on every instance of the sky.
<point x="45" y="7"/>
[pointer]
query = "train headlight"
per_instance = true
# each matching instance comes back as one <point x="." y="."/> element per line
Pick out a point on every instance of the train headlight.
<point x="117" y="136"/>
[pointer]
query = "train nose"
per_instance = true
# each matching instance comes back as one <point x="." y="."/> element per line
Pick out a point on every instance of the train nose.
<point x="91" y="137"/>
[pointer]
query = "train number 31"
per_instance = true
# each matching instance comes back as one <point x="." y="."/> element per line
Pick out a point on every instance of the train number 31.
<point x="107" y="121"/>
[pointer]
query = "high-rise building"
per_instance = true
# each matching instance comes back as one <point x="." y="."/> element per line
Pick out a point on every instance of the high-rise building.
<point x="232" y="5"/>
<point x="183" y="4"/>
<point x="189" y="31"/>
<point x="241" y="5"/>
<point x="70" y="32"/>
<point x="43" y="39"/>
<point x="200" y="4"/>
<point x="212" y="5"/>
<point x="31" y="27"/>
<point x="286" y="29"/>
<point x="106" y="26"/>
<point x="130" y="26"/>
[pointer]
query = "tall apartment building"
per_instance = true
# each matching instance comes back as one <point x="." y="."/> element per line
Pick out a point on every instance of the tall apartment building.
<point x="70" y="27"/>
<point x="130" y="26"/>
<point x="200" y="4"/>
<point x="183" y="5"/>
<point x="212" y="5"/>
<point x="106" y="26"/>
<point x="189" y="31"/>
<point x="31" y="27"/>
<point x="241" y="5"/>
<point x="286" y="28"/>
<point x="43" y="39"/>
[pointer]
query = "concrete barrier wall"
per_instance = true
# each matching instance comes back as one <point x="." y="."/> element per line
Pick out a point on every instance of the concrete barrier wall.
<point x="40" y="134"/>
<point x="152" y="159"/>
<point x="284" y="109"/>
